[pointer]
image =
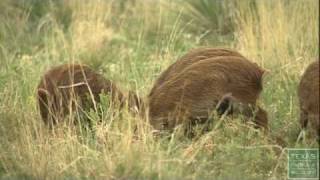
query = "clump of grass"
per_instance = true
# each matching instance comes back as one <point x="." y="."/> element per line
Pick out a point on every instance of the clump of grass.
<point x="212" y="19"/>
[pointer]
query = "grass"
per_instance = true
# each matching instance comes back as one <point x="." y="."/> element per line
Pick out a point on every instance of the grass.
<point x="132" y="42"/>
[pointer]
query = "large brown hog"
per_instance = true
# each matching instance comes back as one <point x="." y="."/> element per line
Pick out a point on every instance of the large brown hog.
<point x="192" y="94"/>
<point x="74" y="87"/>
<point x="308" y="92"/>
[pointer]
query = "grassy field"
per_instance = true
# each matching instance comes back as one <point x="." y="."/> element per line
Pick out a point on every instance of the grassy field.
<point x="132" y="42"/>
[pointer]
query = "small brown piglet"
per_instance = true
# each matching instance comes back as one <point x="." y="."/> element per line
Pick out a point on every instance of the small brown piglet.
<point x="70" y="88"/>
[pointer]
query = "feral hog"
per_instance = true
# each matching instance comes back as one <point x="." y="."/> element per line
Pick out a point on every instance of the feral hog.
<point x="308" y="92"/>
<point x="70" y="87"/>
<point x="188" y="59"/>
<point x="196" y="91"/>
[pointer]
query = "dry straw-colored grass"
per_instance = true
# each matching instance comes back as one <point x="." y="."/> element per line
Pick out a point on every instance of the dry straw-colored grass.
<point x="278" y="33"/>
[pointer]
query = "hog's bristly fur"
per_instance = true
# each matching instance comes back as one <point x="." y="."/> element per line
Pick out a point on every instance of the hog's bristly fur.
<point x="74" y="87"/>
<point x="195" y="55"/>
<point x="191" y="88"/>
<point x="308" y="92"/>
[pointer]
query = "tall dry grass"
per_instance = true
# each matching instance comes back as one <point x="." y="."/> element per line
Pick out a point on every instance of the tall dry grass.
<point x="283" y="37"/>
<point x="282" y="34"/>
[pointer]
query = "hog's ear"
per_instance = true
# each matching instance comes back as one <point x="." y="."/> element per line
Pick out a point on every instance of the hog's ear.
<point x="224" y="105"/>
